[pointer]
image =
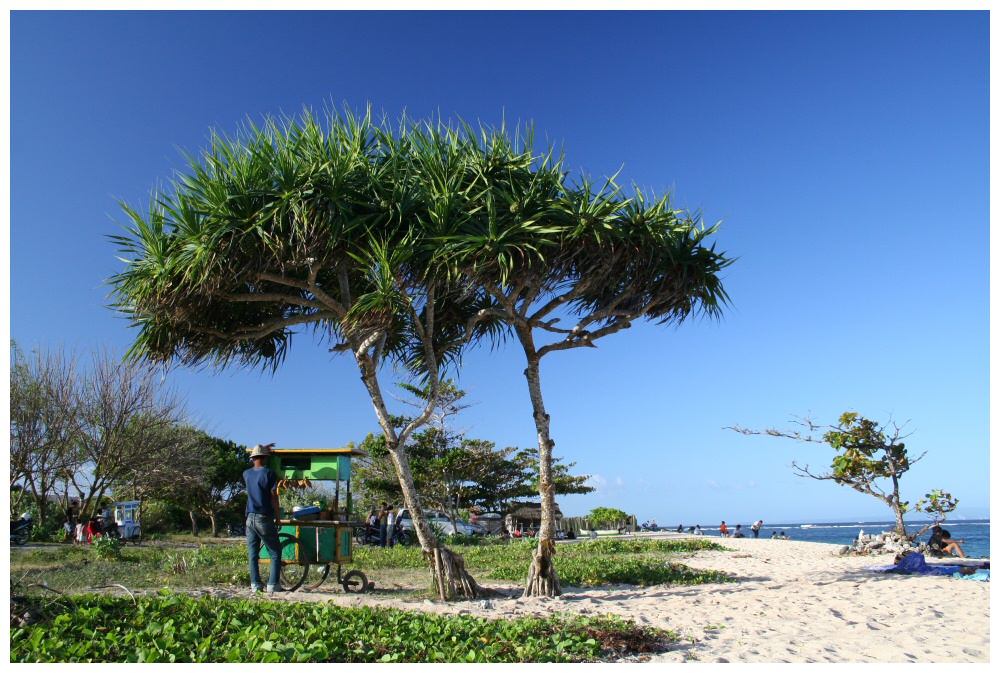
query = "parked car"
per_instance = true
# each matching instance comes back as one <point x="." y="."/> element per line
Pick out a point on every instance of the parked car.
<point x="474" y="528"/>
<point x="437" y="519"/>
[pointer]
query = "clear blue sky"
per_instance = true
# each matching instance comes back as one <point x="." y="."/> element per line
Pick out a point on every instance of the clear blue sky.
<point x="847" y="155"/>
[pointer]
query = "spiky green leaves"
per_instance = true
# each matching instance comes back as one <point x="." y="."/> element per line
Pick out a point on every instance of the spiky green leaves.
<point x="352" y="227"/>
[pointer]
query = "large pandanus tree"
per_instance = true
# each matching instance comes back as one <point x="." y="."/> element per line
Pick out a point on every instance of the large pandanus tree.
<point x="599" y="260"/>
<point x="295" y="226"/>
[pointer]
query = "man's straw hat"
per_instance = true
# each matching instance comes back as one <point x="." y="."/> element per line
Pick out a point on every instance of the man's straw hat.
<point x="260" y="451"/>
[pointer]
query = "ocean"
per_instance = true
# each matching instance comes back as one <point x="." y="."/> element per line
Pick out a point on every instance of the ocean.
<point x="975" y="532"/>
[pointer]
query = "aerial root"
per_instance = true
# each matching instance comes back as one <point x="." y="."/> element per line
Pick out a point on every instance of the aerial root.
<point x="542" y="577"/>
<point x="453" y="581"/>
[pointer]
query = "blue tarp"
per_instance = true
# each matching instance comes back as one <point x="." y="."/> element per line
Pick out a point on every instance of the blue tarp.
<point x="915" y="563"/>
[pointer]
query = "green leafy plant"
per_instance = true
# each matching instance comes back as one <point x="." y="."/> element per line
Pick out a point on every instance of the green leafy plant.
<point x="169" y="627"/>
<point x="606" y="516"/>
<point x="107" y="548"/>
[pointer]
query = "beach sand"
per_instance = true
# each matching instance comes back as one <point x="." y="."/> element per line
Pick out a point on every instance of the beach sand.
<point x="791" y="602"/>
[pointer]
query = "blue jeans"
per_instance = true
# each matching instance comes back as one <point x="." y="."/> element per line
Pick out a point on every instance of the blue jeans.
<point x="261" y="529"/>
<point x="383" y="530"/>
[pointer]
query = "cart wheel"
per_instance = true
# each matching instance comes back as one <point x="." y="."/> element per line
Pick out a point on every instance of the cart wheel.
<point x="293" y="573"/>
<point x="355" y="582"/>
<point x="359" y="536"/>
<point x="323" y="571"/>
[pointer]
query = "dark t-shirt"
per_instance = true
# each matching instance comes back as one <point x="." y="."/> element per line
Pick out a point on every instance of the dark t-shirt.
<point x="260" y="482"/>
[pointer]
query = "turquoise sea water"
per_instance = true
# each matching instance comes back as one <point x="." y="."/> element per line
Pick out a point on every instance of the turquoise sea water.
<point x="976" y="533"/>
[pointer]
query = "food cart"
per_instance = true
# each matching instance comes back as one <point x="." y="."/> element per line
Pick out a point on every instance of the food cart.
<point x="127" y="518"/>
<point x="322" y="538"/>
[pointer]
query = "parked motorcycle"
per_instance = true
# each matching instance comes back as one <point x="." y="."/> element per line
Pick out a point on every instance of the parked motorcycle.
<point x="20" y="529"/>
<point x="367" y="534"/>
<point x="401" y="535"/>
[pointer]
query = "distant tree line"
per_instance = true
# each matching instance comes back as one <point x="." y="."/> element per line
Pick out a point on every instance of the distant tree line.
<point x="89" y="432"/>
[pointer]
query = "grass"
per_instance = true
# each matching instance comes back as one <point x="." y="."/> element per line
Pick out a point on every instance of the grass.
<point x="182" y="565"/>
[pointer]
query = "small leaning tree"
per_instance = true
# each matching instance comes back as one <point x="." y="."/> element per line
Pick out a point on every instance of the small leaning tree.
<point x="545" y="250"/>
<point x="869" y="457"/>
<point x="291" y="227"/>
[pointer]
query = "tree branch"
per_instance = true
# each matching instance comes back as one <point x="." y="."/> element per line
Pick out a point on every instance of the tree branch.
<point x="263" y="331"/>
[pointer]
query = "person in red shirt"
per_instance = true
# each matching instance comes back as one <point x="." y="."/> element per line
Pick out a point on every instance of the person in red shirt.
<point x="723" y="530"/>
<point x="93" y="529"/>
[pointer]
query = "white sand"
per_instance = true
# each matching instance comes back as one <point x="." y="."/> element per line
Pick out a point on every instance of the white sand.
<point x="792" y="602"/>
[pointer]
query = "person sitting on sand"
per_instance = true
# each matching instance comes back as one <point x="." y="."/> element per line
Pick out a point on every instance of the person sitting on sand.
<point x="950" y="546"/>
<point x="783" y="536"/>
<point x="774" y="535"/>
<point x="934" y="544"/>
<point x="738" y="532"/>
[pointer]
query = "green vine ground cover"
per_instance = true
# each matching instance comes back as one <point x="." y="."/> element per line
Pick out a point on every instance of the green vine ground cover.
<point x="176" y="628"/>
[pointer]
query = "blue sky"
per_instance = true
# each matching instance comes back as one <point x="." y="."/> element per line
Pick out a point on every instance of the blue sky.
<point x="846" y="154"/>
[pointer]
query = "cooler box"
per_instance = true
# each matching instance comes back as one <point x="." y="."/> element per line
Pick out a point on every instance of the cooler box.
<point x="305" y="513"/>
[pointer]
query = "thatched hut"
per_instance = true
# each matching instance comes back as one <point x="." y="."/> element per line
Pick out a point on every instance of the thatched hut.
<point x="527" y="516"/>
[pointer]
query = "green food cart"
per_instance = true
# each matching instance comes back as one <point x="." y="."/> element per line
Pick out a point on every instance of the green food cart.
<point x="313" y="545"/>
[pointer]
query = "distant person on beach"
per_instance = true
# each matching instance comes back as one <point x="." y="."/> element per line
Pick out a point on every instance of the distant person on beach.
<point x="691" y="530"/>
<point x="783" y="536"/>
<point x="941" y="543"/>
<point x="950" y="546"/>
<point x="723" y="531"/>
<point x="680" y="528"/>
<point x="738" y="533"/>
<point x="774" y="535"/>
<point x="755" y="528"/>
<point x="698" y="530"/>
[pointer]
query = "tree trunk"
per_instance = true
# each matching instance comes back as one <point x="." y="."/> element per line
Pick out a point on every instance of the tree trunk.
<point x="542" y="577"/>
<point x="214" y="518"/>
<point x="449" y="576"/>
<point x="194" y="522"/>
<point x="900" y="524"/>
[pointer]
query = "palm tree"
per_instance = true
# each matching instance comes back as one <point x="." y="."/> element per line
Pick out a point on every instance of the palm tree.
<point x="289" y="227"/>
<point x="550" y="251"/>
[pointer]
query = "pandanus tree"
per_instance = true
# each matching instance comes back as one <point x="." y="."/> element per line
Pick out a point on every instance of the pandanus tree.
<point x="546" y="250"/>
<point x="295" y="226"/>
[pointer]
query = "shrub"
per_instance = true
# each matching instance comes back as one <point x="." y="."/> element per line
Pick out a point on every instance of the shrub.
<point x="107" y="548"/>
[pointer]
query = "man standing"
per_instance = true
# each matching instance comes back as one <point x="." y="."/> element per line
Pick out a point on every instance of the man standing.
<point x="262" y="517"/>
<point x="383" y="524"/>
<point x="755" y="528"/>
<point x="390" y="524"/>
